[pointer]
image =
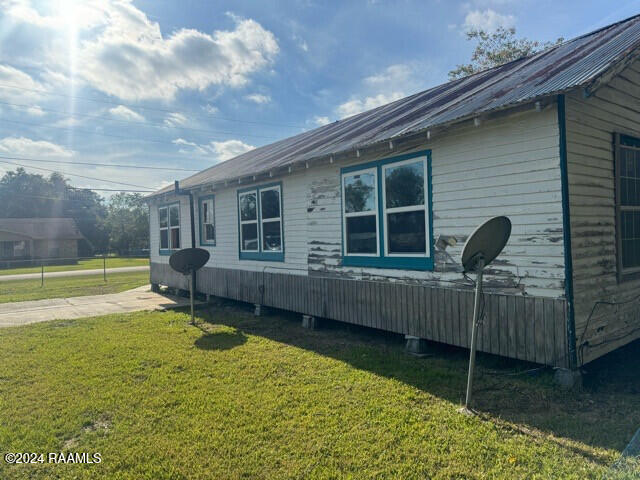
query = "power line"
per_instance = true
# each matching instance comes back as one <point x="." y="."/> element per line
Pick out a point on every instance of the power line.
<point x="149" y="189"/>
<point x="98" y="164"/>
<point x="147" y="124"/>
<point x="141" y="107"/>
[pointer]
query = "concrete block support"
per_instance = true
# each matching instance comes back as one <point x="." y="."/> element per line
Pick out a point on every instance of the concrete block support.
<point x="258" y="310"/>
<point x="310" y="322"/>
<point x="155" y="288"/>
<point x="568" y="379"/>
<point x="416" y="346"/>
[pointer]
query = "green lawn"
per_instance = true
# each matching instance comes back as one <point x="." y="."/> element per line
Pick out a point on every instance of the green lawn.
<point x="244" y="397"/>
<point x="86" y="264"/>
<point x="58" y="287"/>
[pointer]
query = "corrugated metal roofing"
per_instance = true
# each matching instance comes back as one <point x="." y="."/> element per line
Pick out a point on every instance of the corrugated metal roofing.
<point x="575" y="63"/>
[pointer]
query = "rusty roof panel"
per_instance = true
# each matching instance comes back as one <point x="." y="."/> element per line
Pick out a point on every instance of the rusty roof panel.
<point x="575" y="63"/>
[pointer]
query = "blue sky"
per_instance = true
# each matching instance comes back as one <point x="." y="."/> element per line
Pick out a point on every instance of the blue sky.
<point x="187" y="84"/>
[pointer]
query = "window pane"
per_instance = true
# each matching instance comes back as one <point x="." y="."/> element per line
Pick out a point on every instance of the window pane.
<point x="164" y="239"/>
<point x="270" y="204"/>
<point x="404" y="185"/>
<point x="361" y="234"/>
<point x="271" y="239"/>
<point x="209" y="232"/>
<point x="406" y="232"/>
<point x="248" y="206"/>
<point x="163" y="217"/>
<point x="250" y="236"/>
<point x="205" y="212"/>
<point x="359" y="193"/>
<point x="175" y="238"/>
<point x="20" y="249"/>
<point x="174" y="216"/>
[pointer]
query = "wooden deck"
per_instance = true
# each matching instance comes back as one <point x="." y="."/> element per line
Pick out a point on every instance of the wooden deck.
<point x="526" y="328"/>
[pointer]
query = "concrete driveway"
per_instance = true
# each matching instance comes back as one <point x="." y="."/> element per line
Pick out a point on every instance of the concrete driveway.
<point x="72" y="273"/>
<point x="141" y="298"/>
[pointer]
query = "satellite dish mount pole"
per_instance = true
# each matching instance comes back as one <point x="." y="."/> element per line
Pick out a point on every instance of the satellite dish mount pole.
<point x="474" y="331"/>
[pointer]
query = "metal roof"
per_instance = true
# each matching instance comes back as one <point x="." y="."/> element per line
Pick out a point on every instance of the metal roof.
<point x="42" y="228"/>
<point x="575" y="63"/>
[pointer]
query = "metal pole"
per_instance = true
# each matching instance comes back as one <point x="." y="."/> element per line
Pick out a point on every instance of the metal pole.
<point x="41" y="274"/>
<point x="474" y="335"/>
<point x="104" y="267"/>
<point x="193" y="322"/>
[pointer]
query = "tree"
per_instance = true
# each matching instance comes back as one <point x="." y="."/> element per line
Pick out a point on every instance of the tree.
<point x="127" y="223"/>
<point x="497" y="48"/>
<point x="26" y="195"/>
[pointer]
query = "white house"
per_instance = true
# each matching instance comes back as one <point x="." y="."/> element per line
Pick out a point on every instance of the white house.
<point x="363" y="220"/>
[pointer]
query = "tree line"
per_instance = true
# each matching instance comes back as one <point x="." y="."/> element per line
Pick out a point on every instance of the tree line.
<point x="119" y="224"/>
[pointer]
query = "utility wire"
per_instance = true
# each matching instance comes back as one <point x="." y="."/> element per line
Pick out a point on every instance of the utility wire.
<point x="149" y="189"/>
<point x="148" y="124"/>
<point x="141" y="107"/>
<point x="26" y="159"/>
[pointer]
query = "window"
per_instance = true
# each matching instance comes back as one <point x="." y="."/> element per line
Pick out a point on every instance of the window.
<point x="387" y="213"/>
<point x="169" y="221"/>
<point x="207" y="221"/>
<point x="260" y="223"/>
<point x="628" y="206"/>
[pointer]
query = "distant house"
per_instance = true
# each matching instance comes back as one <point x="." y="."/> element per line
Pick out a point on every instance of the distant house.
<point x="31" y="238"/>
<point x="363" y="220"/>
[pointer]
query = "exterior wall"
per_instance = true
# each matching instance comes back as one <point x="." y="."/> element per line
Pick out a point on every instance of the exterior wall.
<point x="55" y="249"/>
<point x="591" y="123"/>
<point x="507" y="166"/>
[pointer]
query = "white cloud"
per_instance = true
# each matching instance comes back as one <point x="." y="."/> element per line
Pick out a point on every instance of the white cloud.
<point x="361" y="105"/>
<point x="258" y="98"/>
<point x="487" y="20"/>
<point x="123" y="53"/>
<point x="126" y="113"/>
<point x="210" y="109"/>
<point x="35" y="111"/>
<point x="319" y="121"/>
<point x="174" y="119"/>
<point x="11" y="76"/>
<point x="23" y="146"/>
<point x="394" y="75"/>
<point x="229" y="149"/>
<point x="222" y="150"/>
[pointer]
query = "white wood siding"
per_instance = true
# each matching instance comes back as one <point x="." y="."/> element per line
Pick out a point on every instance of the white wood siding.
<point x="508" y="167"/>
<point x="591" y="123"/>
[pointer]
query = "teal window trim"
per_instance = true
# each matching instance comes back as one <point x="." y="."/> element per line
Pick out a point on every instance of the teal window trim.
<point x="382" y="260"/>
<point x="260" y="254"/>
<point x="203" y="242"/>
<point x="169" y="251"/>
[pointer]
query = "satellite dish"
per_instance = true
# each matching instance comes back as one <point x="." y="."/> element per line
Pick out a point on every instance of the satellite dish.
<point x="486" y="241"/>
<point x="482" y="247"/>
<point x="188" y="260"/>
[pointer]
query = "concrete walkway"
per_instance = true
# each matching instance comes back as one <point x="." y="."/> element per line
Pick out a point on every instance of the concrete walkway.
<point x="141" y="298"/>
<point x="72" y="273"/>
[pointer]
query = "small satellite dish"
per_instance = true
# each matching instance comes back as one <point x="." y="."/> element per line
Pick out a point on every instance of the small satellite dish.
<point x="482" y="247"/>
<point x="486" y="241"/>
<point x="188" y="260"/>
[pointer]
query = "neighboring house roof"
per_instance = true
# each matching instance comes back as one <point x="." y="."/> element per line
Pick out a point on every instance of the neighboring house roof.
<point x="42" y="228"/>
<point x="585" y="62"/>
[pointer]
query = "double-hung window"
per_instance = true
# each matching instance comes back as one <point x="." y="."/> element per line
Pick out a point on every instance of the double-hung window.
<point x="260" y="223"/>
<point x="169" y="220"/>
<point x="627" y="162"/>
<point x="386" y="213"/>
<point x="207" y="221"/>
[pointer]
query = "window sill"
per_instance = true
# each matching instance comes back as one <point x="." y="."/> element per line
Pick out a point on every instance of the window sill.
<point x="401" y="263"/>
<point x="263" y="256"/>
<point x="208" y="244"/>
<point x="167" y="252"/>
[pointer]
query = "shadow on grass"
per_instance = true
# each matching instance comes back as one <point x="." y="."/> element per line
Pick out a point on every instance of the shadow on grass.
<point x="221" y="340"/>
<point x="606" y="413"/>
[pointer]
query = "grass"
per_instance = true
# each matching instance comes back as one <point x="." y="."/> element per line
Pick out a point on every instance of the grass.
<point x="86" y="264"/>
<point x="59" y="287"/>
<point x="244" y="397"/>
